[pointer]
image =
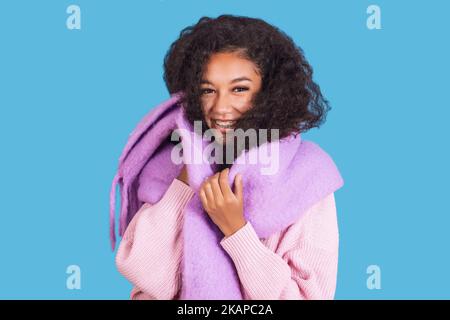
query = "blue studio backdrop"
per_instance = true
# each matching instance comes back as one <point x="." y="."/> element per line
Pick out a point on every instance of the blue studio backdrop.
<point x="69" y="97"/>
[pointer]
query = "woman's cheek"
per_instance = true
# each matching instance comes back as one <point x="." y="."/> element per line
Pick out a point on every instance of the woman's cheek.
<point x="206" y="107"/>
<point x="244" y="104"/>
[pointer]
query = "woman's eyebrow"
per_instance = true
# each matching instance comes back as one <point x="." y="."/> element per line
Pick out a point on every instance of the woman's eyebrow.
<point x="206" y="81"/>
<point x="240" y="79"/>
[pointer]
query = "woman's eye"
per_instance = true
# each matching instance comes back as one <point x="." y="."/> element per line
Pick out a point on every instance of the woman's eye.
<point x="240" y="89"/>
<point x="206" y="91"/>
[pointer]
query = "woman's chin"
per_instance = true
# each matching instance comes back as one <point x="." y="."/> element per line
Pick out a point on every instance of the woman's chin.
<point x="219" y="135"/>
<point x="219" y="138"/>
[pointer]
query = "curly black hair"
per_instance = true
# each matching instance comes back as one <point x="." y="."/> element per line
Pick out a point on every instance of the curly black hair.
<point x="289" y="99"/>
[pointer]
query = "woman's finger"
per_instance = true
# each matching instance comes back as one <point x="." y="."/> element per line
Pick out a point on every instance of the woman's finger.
<point x="214" y="182"/>
<point x="209" y="194"/>
<point x="224" y="186"/>
<point x="238" y="187"/>
<point x="203" y="199"/>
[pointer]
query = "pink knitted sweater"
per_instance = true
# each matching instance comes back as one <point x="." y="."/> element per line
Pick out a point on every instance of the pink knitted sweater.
<point x="299" y="262"/>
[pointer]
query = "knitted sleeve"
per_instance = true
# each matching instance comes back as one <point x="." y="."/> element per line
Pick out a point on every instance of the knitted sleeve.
<point x="150" y="251"/>
<point x="297" y="263"/>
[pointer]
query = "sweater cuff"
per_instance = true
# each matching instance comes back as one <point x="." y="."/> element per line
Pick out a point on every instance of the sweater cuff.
<point x="176" y="196"/>
<point x="243" y="243"/>
<point x="182" y="188"/>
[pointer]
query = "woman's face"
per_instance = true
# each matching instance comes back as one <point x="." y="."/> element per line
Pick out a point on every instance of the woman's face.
<point x="227" y="88"/>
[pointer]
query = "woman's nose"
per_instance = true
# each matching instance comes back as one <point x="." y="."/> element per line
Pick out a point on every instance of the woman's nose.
<point x="222" y="105"/>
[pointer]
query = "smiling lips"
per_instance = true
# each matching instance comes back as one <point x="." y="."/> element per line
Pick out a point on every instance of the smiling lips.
<point x="223" y="125"/>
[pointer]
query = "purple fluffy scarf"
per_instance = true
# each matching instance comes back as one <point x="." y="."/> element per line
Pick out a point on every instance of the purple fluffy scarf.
<point x="305" y="175"/>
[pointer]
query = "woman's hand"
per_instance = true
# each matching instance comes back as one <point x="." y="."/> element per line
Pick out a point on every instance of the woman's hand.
<point x="224" y="207"/>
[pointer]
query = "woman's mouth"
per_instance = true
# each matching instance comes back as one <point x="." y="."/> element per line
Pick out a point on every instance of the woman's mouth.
<point x="223" y="125"/>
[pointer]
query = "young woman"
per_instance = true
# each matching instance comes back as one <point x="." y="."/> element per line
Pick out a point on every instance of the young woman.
<point x="239" y="73"/>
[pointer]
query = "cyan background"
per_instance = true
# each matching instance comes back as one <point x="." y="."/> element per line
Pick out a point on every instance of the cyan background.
<point x="69" y="99"/>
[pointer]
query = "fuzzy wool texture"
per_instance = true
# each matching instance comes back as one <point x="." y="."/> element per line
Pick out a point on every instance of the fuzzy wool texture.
<point x="306" y="174"/>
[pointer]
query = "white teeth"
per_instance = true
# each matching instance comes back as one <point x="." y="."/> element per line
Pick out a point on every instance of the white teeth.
<point x="224" y="124"/>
